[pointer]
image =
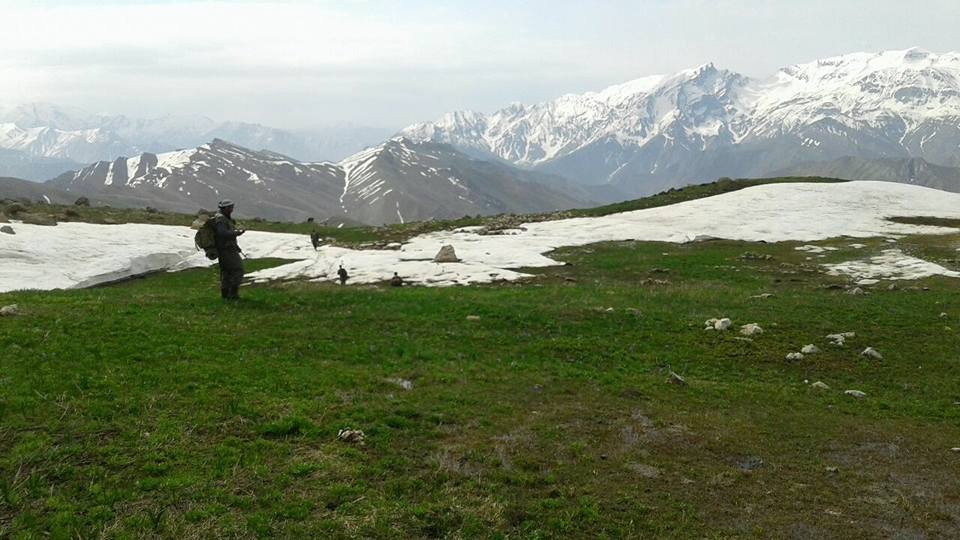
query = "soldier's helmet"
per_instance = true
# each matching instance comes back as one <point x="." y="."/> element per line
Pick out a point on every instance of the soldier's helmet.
<point x="226" y="203"/>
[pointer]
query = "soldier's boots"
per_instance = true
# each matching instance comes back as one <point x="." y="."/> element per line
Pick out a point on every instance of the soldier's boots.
<point x="230" y="293"/>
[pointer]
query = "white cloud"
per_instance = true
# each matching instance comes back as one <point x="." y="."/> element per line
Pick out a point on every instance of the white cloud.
<point x="388" y="63"/>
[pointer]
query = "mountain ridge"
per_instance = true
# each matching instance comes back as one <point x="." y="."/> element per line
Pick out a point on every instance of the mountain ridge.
<point x="667" y="130"/>
<point x="396" y="181"/>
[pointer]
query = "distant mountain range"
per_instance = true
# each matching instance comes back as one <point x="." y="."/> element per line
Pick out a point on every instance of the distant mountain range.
<point x="394" y="182"/>
<point x="915" y="171"/>
<point x="37" y="138"/>
<point x="703" y="123"/>
<point x="888" y="116"/>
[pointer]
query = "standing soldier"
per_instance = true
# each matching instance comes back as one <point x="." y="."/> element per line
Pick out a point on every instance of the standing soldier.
<point x="342" y="274"/>
<point x="231" y="264"/>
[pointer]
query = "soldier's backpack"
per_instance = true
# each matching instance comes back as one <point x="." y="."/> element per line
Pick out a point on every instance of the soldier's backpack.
<point x="205" y="239"/>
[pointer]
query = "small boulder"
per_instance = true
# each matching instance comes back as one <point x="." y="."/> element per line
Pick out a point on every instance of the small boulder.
<point x="473" y="317"/>
<point x="354" y="436"/>
<point x="10" y="311"/>
<point x="810" y="349"/>
<point x="763" y="296"/>
<point x="82" y="201"/>
<point x="794" y="357"/>
<point x="446" y="255"/>
<point x="751" y="329"/>
<point x="402" y="383"/>
<point x="871" y="353"/>
<point x="856" y="291"/>
<point x="6" y="229"/>
<point x="820" y="385"/>
<point x="723" y="324"/>
<point x="855" y="394"/>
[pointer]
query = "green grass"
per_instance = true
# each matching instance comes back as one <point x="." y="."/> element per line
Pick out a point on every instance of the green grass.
<point x="150" y="408"/>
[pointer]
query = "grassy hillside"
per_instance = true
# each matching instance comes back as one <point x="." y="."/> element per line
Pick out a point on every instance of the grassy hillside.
<point x="152" y="409"/>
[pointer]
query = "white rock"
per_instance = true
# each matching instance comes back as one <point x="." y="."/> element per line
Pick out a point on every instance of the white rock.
<point x="856" y="291"/>
<point x="751" y="329"/>
<point x="794" y="357"/>
<point x="402" y="383"/>
<point x="944" y="315"/>
<point x="351" y="436"/>
<point x="763" y="296"/>
<point x="673" y="378"/>
<point x="10" y="311"/>
<point x="473" y="317"/>
<point x="955" y="449"/>
<point x="810" y="349"/>
<point x="819" y="385"/>
<point x="723" y="324"/>
<point x="872" y="353"/>
<point x="855" y="394"/>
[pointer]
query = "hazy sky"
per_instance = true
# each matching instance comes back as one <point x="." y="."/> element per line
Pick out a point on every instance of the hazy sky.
<point x="387" y="64"/>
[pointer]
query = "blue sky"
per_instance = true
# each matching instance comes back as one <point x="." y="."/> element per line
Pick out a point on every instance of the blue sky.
<point x="302" y="64"/>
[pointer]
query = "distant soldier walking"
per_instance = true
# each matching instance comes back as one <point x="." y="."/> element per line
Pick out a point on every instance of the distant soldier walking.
<point x="342" y="274"/>
<point x="231" y="263"/>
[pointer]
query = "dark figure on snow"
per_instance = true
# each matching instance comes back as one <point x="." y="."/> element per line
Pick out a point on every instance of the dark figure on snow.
<point x="343" y="275"/>
<point x="231" y="263"/>
<point x="396" y="280"/>
<point x="315" y="240"/>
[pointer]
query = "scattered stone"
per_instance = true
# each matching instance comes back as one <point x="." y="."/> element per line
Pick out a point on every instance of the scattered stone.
<point x="751" y="256"/>
<point x="748" y="340"/>
<point x="473" y="317"/>
<point x="856" y="291"/>
<point x="673" y="378"/>
<point x="750" y="463"/>
<point x="394" y="245"/>
<point x="446" y="255"/>
<point x="751" y="329"/>
<point x="955" y="449"/>
<point x="6" y="229"/>
<point x="810" y="349"/>
<point x="353" y="436"/>
<point x="82" y="201"/>
<point x="839" y="339"/>
<point x="402" y="383"/>
<point x="892" y="287"/>
<point x="871" y="353"/>
<point x="609" y="310"/>
<point x="855" y="394"/>
<point x="660" y="271"/>
<point x="763" y="296"/>
<point x="942" y="315"/>
<point x="794" y="357"/>
<point x="820" y="385"/>
<point x="10" y="311"/>
<point x="723" y="324"/>
<point x="833" y="470"/>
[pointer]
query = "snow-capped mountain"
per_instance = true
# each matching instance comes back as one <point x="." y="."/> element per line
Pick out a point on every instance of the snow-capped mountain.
<point x="394" y="182"/>
<point x="68" y="134"/>
<point x="702" y="123"/>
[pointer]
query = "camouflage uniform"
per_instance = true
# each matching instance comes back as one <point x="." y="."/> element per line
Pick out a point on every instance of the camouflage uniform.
<point x="231" y="264"/>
